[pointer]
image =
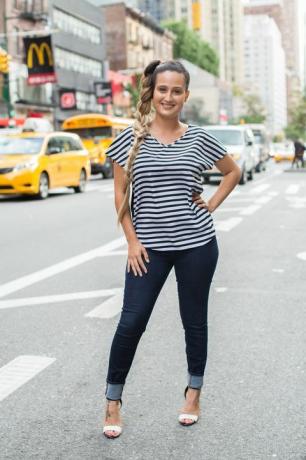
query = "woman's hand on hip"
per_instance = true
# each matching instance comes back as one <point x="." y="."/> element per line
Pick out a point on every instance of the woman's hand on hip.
<point x="198" y="200"/>
<point x="136" y="253"/>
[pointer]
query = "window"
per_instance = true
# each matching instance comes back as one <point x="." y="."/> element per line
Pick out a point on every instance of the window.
<point x="74" y="144"/>
<point x="76" y="26"/>
<point x="78" y="63"/>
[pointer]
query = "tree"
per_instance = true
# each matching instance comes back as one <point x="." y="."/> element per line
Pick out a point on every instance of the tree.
<point x="297" y="127"/>
<point x="188" y="45"/>
<point x="255" y="111"/>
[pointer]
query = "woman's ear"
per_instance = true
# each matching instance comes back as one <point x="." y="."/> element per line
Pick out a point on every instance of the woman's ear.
<point x="187" y="95"/>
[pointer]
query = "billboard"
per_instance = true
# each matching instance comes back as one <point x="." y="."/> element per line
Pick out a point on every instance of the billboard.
<point x="39" y="60"/>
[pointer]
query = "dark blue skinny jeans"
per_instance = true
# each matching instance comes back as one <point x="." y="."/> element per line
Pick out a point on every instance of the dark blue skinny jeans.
<point x="194" y="270"/>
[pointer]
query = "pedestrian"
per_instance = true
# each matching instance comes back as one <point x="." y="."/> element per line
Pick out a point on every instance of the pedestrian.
<point x="166" y="225"/>
<point x="299" y="149"/>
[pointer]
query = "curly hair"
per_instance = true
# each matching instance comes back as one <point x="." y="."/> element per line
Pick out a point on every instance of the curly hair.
<point x="144" y="115"/>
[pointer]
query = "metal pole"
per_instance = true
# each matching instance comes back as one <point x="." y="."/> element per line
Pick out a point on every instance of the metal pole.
<point x="6" y="76"/>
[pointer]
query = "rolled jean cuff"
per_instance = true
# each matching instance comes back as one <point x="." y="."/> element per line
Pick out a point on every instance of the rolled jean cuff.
<point x="195" y="381"/>
<point x="114" y="391"/>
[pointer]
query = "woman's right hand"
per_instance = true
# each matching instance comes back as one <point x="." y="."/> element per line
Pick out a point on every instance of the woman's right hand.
<point x="136" y="251"/>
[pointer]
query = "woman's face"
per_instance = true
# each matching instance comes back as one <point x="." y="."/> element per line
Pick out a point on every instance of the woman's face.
<point x="169" y="94"/>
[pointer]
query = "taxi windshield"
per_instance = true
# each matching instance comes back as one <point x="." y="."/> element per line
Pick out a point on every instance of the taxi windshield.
<point x="227" y="136"/>
<point x="24" y="146"/>
<point x="90" y="133"/>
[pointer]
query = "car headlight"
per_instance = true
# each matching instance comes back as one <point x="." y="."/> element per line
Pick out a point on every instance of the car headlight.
<point x="31" y="164"/>
<point x="235" y="156"/>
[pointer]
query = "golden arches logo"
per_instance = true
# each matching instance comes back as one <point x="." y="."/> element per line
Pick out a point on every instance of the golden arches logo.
<point x="40" y="51"/>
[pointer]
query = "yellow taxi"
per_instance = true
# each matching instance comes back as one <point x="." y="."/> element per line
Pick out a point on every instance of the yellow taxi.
<point x="32" y="163"/>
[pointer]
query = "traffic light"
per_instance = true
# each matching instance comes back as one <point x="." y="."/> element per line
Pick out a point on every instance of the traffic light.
<point x="4" y="61"/>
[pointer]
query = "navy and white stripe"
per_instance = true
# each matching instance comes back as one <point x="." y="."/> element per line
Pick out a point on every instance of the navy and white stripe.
<point x="164" y="178"/>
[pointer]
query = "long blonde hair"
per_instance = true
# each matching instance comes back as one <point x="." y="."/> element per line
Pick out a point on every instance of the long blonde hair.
<point x="144" y="116"/>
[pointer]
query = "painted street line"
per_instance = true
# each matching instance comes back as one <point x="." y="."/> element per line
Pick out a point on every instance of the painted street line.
<point x="292" y="189"/>
<point x="221" y="289"/>
<point x="228" y="224"/>
<point x="19" y="371"/>
<point x="30" y="301"/>
<point x="28" y="280"/>
<point x="250" y="210"/>
<point x="226" y="209"/>
<point x="301" y="255"/>
<point x="261" y="188"/>
<point x="278" y="270"/>
<point x="109" y="308"/>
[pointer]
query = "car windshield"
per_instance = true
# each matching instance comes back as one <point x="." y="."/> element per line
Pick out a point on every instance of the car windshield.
<point x="29" y="145"/>
<point x="227" y="136"/>
<point x="91" y="133"/>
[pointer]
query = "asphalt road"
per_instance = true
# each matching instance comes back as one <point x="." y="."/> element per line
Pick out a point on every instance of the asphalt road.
<point x="61" y="279"/>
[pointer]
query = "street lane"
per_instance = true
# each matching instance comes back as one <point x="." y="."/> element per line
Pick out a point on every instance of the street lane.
<point x="253" y="402"/>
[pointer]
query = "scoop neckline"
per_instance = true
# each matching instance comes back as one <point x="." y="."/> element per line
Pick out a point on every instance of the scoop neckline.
<point x="171" y="143"/>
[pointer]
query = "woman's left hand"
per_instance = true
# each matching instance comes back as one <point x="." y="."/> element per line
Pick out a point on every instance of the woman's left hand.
<point x="198" y="200"/>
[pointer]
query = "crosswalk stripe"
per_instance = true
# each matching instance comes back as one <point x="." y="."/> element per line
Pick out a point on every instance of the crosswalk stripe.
<point x="249" y="210"/>
<point x="28" y="280"/>
<point x="259" y="189"/>
<point x="19" y="371"/>
<point x="228" y="224"/>
<point x="109" y="308"/>
<point x="30" y="301"/>
<point x="292" y="189"/>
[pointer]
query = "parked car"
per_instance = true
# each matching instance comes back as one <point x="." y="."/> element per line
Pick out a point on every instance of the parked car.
<point x="262" y="145"/>
<point x="282" y="151"/>
<point x="33" y="163"/>
<point x="240" y="144"/>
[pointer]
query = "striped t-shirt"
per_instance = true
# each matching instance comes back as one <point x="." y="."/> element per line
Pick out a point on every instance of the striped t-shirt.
<point x="164" y="178"/>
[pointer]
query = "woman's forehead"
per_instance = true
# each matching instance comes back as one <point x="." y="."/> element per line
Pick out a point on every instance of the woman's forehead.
<point x="170" y="78"/>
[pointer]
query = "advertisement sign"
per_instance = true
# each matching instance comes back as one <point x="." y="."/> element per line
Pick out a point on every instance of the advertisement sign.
<point x="39" y="60"/>
<point x="103" y="91"/>
<point x="67" y="99"/>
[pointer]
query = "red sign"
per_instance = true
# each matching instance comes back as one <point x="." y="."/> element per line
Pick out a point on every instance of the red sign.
<point x="68" y="100"/>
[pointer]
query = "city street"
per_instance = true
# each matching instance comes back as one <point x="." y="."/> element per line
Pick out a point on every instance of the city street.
<point x="61" y="281"/>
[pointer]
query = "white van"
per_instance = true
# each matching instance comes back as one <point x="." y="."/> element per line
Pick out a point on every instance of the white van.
<point x="240" y="144"/>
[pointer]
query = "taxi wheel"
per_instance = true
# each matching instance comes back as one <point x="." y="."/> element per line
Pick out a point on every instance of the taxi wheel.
<point x="43" y="192"/>
<point x="107" y="170"/>
<point x="82" y="183"/>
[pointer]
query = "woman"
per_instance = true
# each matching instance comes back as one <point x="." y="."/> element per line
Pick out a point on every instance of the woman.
<point x="167" y="225"/>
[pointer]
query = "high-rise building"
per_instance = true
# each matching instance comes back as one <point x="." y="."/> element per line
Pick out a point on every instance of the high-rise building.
<point x="288" y="15"/>
<point x="265" y="67"/>
<point x="177" y="10"/>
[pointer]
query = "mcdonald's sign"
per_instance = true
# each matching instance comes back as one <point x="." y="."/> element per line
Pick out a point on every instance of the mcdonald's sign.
<point x="39" y="60"/>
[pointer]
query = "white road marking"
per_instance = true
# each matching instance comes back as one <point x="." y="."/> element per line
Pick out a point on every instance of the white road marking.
<point x="221" y="289"/>
<point x="228" y="224"/>
<point x="109" y="308"/>
<point x="301" y="255"/>
<point x="278" y="270"/>
<point x="28" y="280"/>
<point x="259" y="189"/>
<point x="249" y="210"/>
<point x="292" y="189"/>
<point x="13" y="303"/>
<point x="226" y="209"/>
<point x="19" y="371"/>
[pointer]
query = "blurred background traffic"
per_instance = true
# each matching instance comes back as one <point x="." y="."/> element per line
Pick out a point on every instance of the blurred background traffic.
<point x="65" y="71"/>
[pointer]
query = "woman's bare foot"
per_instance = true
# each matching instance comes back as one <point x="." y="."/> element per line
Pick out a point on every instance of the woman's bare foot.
<point x="192" y="405"/>
<point x="112" y="417"/>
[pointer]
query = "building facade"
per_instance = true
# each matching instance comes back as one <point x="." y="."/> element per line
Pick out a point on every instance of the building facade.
<point x="78" y="43"/>
<point x="288" y="15"/>
<point x="133" y="39"/>
<point x="265" y="68"/>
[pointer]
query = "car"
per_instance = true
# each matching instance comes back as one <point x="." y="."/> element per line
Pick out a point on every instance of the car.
<point x="33" y="163"/>
<point x="262" y="145"/>
<point x="240" y="144"/>
<point x="282" y="151"/>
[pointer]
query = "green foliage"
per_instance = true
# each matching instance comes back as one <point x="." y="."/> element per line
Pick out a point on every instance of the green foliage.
<point x="188" y="45"/>
<point x="296" y="129"/>
<point x="255" y="111"/>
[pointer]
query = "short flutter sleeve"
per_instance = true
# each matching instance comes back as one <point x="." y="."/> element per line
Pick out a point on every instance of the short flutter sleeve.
<point x="212" y="149"/>
<point x="118" y="149"/>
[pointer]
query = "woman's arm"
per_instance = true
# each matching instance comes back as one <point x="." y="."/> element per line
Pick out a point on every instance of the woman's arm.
<point x="135" y="247"/>
<point x="231" y="176"/>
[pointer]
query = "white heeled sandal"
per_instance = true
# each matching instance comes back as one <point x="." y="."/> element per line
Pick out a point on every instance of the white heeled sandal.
<point x="183" y="417"/>
<point x="116" y="428"/>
